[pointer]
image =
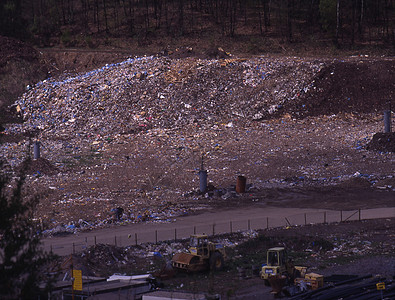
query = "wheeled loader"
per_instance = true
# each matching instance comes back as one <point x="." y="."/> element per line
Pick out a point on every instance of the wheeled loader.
<point x="277" y="264"/>
<point x="203" y="255"/>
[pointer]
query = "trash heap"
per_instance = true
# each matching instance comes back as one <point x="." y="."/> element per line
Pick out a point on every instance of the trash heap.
<point x="158" y="92"/>
<point x="132" y="135"/>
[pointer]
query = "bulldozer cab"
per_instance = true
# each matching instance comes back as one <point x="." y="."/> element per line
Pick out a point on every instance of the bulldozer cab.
<point x="278" y="264"/>
<point x="276" y="261"/>
<point x="198" y="245"/>
<point x="276" y="257"/>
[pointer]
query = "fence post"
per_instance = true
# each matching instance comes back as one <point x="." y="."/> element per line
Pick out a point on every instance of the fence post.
<point x="175" y="234"/>
<point x="359" y="215"/>
<point x="194" y="229"/>
<point x="341" y="216"/>
<point x="267" y="222"/>
<point x="135" y="238"/>
<point x="324" y="217"/>
<point x="305" y="219"/>
<point x="73" y="248"/>
<point x="95" y="240"/>
<point x="249" y="224"/>
<point x="115" y="240"/>
<point x="231" y="227"/>
<point x="156" y="236"/>
<point x="213" y="228"/>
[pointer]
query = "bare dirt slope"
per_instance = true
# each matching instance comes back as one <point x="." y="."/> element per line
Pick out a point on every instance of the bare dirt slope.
<point x="20" y="65"/>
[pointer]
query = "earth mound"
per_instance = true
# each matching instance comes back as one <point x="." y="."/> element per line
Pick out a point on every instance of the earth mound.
<point x="37" y="166"/>
<point x="384" y="142"/>
<point x="348" y="86"/>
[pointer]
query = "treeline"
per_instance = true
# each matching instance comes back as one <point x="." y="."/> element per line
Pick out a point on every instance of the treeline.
<point x="342" y="21"/>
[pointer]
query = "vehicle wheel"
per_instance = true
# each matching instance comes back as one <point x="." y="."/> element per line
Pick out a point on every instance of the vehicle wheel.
<point x="216" y="261"/>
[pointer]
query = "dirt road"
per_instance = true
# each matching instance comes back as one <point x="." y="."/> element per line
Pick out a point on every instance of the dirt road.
<point x="254" y="217"/>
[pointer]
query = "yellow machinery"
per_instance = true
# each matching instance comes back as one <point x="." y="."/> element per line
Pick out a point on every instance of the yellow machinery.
<point x="277" y="263"/>
<point x="202" y="255"/>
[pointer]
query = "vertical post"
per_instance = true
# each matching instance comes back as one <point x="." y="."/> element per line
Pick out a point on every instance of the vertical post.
<point x="115" y="240"/>
<point x="95" y="240"/>
<point x="156" y="236"/>
<point x="387" y="121"/>
<point x="203" y="180"/>
<point x="231" y="227"/>
<point x="359" y="215"/>
<point x="73" y="248"/>
<point x="341" y="216"/>
<point x="213" y="228"/>
<point x="36" y="150"/>
<point x="249" y="224"/>
<point x="135" y="238"/>
<point x="175" y="234"/>
<point x="267" y="222"/>
<point x="324" y="217"/>
<point x="51" y="248"/>
<point x="305" y="219"/>
<point x="194" y="229"/>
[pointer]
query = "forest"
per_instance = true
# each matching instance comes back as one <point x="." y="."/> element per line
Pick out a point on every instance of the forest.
<point x="341" y="22"/>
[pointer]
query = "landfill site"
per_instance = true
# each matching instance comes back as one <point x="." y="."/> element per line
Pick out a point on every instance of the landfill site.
<point x="150" y="139"/>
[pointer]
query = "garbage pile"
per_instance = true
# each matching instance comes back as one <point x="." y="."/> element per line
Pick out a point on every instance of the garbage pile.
<point x="131" y="135"/>
<point x="158" y="92"/>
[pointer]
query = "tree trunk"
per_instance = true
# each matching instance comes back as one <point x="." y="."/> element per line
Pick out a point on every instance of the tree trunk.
<point x="360" y="19"/>
<point x="181" y="17"/>
<point x="105" y="15"/>
<point x="289" y="19"/>
<point x="337" y="22"/>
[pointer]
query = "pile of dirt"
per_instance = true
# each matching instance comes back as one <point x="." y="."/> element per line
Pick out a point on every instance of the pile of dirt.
<point x="359" y="85"/>
<point x="384" y="142"/>
<point x="37" y="167"/>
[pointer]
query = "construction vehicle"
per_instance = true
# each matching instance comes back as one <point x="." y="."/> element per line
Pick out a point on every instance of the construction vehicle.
<point x="277" y="264"/>
<point x="202" y="255"/>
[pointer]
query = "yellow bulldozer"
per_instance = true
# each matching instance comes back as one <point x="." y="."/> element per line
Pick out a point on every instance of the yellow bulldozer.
<point x="277" y="263"/>
<point x="203" y="255"/>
